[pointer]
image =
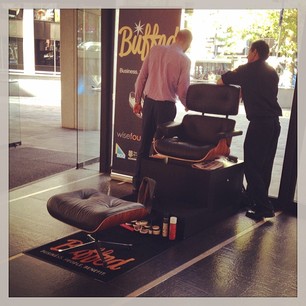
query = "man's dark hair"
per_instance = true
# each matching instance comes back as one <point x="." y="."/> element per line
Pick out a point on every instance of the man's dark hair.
<point x="262" y="49"/>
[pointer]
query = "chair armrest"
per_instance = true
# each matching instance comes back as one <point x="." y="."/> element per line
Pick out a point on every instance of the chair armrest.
<point x="229" y="134"/>
<point x="168" y="129"/>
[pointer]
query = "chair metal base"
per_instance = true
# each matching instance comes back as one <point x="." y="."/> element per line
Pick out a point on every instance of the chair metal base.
<point x="97" y="243"/>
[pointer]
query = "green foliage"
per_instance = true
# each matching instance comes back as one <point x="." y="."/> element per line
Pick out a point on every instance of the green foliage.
<point x="284" y="34"/>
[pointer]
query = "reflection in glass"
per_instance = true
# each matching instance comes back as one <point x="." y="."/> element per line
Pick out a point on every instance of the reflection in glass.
<point x="89" y="85"/>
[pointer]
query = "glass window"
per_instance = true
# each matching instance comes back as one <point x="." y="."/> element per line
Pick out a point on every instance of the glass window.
<point x="89" y="85"/>
<point x="15" y="39"/>
<point x="47" y="55"/>
<point x="15" y="53"/>
<point x="223" y="43"/>
<point x="47" y="39"/>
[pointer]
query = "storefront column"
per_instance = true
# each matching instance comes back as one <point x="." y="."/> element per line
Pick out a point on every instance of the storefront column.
<point x="68" y="34"/>
<point x="28" y="41"/>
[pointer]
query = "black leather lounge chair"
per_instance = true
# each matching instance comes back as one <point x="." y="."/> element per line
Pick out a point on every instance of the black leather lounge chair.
<point x="92" y="211"/>
<point x="205" y="136"/>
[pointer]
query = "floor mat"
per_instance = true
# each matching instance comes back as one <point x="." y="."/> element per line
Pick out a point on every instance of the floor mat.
<point x="118" y="259"/>
<point x="30" y="164"/>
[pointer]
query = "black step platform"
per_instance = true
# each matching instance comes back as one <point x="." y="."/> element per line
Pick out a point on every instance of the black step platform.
<point x="198" y="198"/>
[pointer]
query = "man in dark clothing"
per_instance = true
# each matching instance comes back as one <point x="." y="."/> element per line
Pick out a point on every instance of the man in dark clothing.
<point x="259" y="88"/>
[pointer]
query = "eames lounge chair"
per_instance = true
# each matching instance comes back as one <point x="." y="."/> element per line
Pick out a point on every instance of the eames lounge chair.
<point x="205" y="136"/>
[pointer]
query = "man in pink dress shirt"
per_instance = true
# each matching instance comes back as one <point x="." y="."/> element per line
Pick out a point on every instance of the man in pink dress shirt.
<point x="164" y="77"/>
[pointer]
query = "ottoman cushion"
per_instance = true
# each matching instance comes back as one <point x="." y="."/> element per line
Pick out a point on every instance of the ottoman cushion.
<point x="91" y="210"/>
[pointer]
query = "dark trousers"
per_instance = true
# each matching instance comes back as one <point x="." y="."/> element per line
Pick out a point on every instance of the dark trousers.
<point x="259" y="152"/>
<point x="153" y="114"/>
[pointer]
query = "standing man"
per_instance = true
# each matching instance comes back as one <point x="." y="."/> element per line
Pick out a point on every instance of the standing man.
<point x="259" y="87"/>
<point x="164" y="77"/>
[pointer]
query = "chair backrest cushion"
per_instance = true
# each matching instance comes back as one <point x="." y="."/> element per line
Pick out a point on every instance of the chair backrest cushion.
<point x="204" y="130"/>
<point x="213" y="99"/>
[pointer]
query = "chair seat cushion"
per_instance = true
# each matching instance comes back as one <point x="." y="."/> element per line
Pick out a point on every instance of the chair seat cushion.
<point x="175" y="147"/>
<point x="205" y="129"/>
<point x="91" y="210"/>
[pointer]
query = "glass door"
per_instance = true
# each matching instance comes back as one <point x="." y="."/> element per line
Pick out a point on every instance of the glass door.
<point x="220" y="47"/>
<point x="88" y="86"/>
<point x="14" y="114"/>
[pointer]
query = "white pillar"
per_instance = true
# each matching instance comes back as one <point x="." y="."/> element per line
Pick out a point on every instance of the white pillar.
<point x="28" y="41"/>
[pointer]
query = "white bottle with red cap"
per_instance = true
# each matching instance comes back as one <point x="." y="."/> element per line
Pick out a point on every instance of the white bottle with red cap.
<point x="172" y="228"/>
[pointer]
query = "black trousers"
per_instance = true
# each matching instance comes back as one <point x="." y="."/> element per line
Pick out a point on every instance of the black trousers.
<point x="153" y="114"/>
<point x="259" y="152"/>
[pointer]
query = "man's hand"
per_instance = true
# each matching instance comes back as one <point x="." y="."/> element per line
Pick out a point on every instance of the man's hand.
<point x="137" y="108"/>
<point x="220" y="81"/>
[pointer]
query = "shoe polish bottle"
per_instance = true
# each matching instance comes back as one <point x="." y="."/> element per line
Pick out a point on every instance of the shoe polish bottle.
<point x="172" y="228"/>
<point x="165" y="226"/>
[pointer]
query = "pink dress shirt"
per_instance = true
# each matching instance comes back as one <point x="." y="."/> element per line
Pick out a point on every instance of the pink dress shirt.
<point x="164" y="75"/>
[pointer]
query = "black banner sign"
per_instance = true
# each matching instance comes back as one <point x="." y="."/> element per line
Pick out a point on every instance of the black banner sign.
<point x="139" y="30"/>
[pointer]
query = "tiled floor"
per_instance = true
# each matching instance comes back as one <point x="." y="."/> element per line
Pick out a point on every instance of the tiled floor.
<point x="235" y="258"/>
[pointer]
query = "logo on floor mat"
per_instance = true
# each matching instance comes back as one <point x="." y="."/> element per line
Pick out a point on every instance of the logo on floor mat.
<point x="86" y="257"/>
<point x="116" y="258"/>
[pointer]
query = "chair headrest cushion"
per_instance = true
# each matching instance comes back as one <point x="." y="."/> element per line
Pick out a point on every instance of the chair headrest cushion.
<point x="213" y="99"/>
